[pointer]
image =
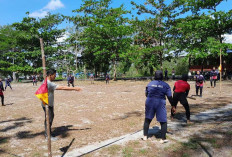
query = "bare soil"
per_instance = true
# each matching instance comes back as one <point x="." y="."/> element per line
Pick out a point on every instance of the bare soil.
<point x="97" y="113"/>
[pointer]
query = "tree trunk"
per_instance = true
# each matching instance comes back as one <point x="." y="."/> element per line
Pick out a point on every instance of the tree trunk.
<point x="115" y="71"/>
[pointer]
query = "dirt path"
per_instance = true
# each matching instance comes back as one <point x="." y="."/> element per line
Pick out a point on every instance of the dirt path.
<point x="178" y="132"/>
<point x="98" y="113"/>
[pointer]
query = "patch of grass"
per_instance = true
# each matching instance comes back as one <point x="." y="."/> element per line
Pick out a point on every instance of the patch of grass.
<point x="213" y="142"/>
<point x="185" y="155"/>
<point x="36" y="154"/>
<point x="136" y="143"/>
<point x="143" y="151"/>
<point x="127" y="152"/>
<point x="113" y="149"/>
<point x="3" y="140"/>
<point x="132" y="124"/>
<point x="229" y="132"/>
<point x="192" y="144"/>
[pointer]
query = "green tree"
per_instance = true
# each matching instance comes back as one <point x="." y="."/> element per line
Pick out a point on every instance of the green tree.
<point x="106" y="34"/>
<point x="30" y="31"/>
<point x="201" y="34"/>
<point x="160" y="13"/>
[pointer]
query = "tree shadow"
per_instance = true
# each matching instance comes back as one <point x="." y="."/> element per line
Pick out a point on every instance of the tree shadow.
<point x="28" y="134"/>
<point x="130" y="114"/>
<point x="154" y="131"/>
<point x="63" y="130"/>
<point x="2" y="151"/>
<point x="218" y="136"/>
<point x="4" y="140"/>
<point x="66" y="148"/>
<point x="16" y="124"/>
<point x="19" y="119"/>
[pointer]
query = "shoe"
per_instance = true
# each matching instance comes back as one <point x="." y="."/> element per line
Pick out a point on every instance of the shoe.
<point x="172" y="117"/>
<point x="201" y="96"/>
<point x="144" y="138"/>
<point x="163" y="141"/>
<point x="3" y="105"/>
<point x="189" y="122"/>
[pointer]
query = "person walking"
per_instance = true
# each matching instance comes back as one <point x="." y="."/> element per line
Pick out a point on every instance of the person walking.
<point x="107" y="79"/>
<point x="92" y="78"/>
<point x="7" y="83"/>
<point x="213" y="77"/>
<point x="71" y="80"/>
<point x="51" y="75"/>
<point x="181" y="90"/>
<point x="166" y="74"/>
<point x="1" y="92"/>
<point x="173" y="74"/>
<point x="199" y="83"/>
<point x="34" y="80"/>
<point x="156" y="104"/>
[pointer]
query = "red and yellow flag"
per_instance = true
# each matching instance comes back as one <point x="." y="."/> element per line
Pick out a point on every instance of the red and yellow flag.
<point x="42" y="92"/>
<point x="220" y="68"/>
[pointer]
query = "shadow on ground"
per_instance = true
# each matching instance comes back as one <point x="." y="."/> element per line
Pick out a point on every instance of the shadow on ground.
<point x="130" y="114"/>
<point x="62" y="131"/>
<point x="66" y="148"/>
<point x="214" y="141"/>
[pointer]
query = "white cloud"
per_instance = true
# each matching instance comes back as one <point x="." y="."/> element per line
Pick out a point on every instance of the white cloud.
<point x="227" y="38"/>
<point x="39" y="14"/>
<point x="52" y="5"/>
<point x="64" y="37"/>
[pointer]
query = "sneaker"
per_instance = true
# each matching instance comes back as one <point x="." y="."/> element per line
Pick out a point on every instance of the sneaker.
<point x="144" y="138"/>
<point x="163" y="141"/>
<point x="189" y="122"/>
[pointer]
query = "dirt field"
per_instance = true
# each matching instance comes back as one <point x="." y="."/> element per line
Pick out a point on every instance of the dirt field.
<point x="97" y="113"/>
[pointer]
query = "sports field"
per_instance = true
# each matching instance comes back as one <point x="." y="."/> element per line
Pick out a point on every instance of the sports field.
<point x="101" y="112"/>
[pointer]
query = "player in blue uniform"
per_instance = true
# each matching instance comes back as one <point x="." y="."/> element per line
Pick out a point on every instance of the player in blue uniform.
<point x="156" y="104"/>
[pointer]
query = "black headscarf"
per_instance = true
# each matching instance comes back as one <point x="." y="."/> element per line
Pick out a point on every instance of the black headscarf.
<point x="158" y="75"/>
<point x="184" y="77"/>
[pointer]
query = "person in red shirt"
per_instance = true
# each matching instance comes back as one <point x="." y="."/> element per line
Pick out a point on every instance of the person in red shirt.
<point x="181" y="90"/>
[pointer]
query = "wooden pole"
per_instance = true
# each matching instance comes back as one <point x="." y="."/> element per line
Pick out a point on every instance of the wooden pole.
<point x="220" y="70"/>
<point x="46" y="106"/>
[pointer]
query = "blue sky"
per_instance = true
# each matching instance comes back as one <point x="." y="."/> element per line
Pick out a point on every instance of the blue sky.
<point x="14" y="10"/>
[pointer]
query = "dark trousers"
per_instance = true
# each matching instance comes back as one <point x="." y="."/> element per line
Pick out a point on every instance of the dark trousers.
<point x="197" y="89"/>
<point x="51" y="117"/>
<point x="2" y="97"/>
<point x="163" y="128"/>
<point x="166" y="77"/>
<point x="213" y="81"/>
<point x="183" y="100"/>
<point x="72" y="83"/>
<point x="8" y="85"/>
<point x="35" y="82"/>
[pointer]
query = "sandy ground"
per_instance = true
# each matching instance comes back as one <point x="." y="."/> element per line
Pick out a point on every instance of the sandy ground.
<point x="97" y="113"/>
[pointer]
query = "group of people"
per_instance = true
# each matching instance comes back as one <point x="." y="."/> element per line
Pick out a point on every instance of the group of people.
<point x="155" y="105"/>
<point x="156" y="93"/>
<point x="200" y="80"/>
